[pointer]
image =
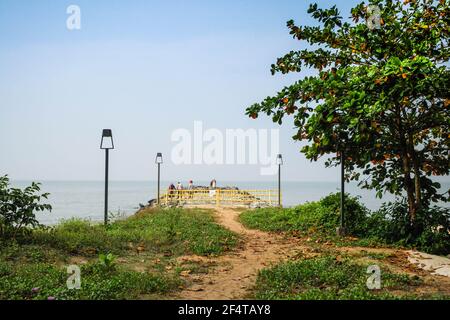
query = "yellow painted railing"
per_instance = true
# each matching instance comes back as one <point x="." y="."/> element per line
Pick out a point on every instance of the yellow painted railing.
<point x="220" y="197"/>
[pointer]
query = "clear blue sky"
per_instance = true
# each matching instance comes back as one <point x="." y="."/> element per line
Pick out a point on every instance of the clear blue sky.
<point x="143" y="69"/>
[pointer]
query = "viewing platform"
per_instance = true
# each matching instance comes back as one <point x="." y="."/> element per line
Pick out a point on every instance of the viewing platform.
<point x="224" y="197"/>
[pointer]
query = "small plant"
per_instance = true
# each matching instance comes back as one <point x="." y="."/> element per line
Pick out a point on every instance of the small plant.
<point x="172" y="223"/>
<point x="18" y="208"/>
<point x="116" y="216"/>
<point x="107" y="260"/>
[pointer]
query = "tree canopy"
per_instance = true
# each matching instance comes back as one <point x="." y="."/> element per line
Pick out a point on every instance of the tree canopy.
<point x="380" y="94"/>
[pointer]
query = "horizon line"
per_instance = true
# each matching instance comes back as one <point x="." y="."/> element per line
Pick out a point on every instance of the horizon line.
<point x="131" y="180"/>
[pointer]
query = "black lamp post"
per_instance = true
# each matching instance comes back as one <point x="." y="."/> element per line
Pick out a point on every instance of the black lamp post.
<point x="341" y="228"/>
<point x="159" y="161"/>
<point x="106" y="144"/>
<point x="279" y="163"/>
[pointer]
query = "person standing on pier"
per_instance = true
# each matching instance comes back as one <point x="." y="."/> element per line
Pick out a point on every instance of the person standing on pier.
<point x="179" y="188"/>
<point x="171" y="190"/>
<point x="191" y="187"/>
<point x="213" y="184"/>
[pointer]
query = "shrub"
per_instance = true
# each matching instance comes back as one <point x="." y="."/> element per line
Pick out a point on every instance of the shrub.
<point x="18" y="208"/>
<point x="431" y="232"/>
<point x="322" y="216"/>
<point x="311" y="216"/>
<point x="356" y="214"/>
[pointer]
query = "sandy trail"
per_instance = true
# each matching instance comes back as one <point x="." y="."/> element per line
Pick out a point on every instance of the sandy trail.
<point x="236" y="272"/>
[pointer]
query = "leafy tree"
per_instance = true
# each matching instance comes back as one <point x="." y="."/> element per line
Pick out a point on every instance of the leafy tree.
<point x="18" y="207"/>
<point x="380" y="96"/>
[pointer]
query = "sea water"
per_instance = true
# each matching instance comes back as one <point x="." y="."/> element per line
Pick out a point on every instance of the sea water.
<point x="85" y="199"/>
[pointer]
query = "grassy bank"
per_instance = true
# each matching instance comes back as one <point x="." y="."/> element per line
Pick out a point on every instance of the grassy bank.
<point x="387" y="226"/>
<point x="173" y="231"/>
<point x="335" y="267"/>
<point x="334" y="277"/>
<point x="142" y="260"/>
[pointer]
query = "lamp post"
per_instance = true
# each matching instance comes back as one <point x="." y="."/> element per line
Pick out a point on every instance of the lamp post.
<point x="341" y="228"/>
<point x="159" y="161"/>
<point x="279" y="163"/>
<point x="106" y="144"/>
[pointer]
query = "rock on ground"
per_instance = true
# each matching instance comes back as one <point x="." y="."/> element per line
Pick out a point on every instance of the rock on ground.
<point x="439" y="265"/>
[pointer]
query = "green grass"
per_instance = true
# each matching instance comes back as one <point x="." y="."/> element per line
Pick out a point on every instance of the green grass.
<point x="312" y="217"/>
<point x="324" y="276"/>
<point x="39" y="281"/>
<point x="302" y="218"/>
<point x="327" y="278"/>
<point x="390" y="225"/>
<point x="40" y="261"/>
<point x="174" y="230"/>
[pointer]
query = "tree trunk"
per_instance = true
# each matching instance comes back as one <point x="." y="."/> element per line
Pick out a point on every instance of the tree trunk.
<point x="417" y="190"/>
<point x="417" y="183"/>
<point x="406" y="166"/>
<point x="409" y="189"/>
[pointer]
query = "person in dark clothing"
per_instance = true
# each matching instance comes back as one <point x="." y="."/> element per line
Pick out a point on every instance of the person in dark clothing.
<point x="171" y="190"/>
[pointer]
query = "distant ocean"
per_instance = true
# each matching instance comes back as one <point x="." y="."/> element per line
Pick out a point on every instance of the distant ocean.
<point x="84" y="199"/>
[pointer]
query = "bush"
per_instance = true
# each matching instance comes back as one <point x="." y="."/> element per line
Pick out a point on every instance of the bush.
<point x="18" y="208"/>
<point x="431" y="232"/>
<point x="322" y="216"/>
<point x="356" y="214"/>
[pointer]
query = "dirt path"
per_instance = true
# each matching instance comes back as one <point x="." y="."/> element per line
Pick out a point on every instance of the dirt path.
<point x="233" y="275"/>
<point x="236" y="271"/>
